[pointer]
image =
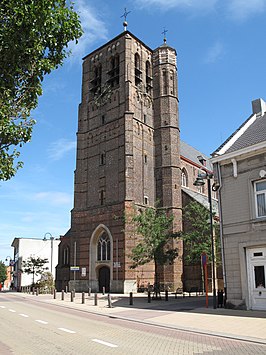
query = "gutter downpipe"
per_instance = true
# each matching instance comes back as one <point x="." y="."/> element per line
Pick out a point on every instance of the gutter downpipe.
<point x="221" y="230"/>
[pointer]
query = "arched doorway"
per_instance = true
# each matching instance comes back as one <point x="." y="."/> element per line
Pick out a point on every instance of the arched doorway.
<point x="104" y="279"/>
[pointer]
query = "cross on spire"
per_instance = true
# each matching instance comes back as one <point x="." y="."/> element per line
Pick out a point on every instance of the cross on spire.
<point x="125" y="18"/>
<point x="164" y="34"/>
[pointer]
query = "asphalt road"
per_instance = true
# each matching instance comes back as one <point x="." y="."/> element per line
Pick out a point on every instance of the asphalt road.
<point x="31" y="327"/>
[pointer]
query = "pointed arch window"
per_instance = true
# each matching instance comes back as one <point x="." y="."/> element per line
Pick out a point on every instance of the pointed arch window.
<point x="172" y="83"/>
<point x="184" y="177"/>
<point x="114" y="70"/>
<point x="104" y="248"/>
<point x="66" y="256"/>
<point x="164" y="82"/>
<point x="148" y="77"/>
<point x="95" y="83"/>
<point x="138" y="71"/>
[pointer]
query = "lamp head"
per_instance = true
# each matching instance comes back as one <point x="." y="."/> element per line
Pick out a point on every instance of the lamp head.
<point x="199" y="181"/>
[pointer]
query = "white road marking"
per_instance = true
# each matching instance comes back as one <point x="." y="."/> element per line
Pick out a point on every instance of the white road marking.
<point x="105" y="343"/>
<point x="67" y="330"/>
<point x="24" y="315"/>
<point x="41" y="321"/>
<point x="2" y="307"/>
<point x="12" y="310"/>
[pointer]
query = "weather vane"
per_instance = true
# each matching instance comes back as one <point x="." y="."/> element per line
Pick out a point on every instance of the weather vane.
<point x="125" y="18"/>
<point x="164" y="34"/>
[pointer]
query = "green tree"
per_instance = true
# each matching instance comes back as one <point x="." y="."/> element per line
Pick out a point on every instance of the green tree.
<point x="46" y="282"/>
<point x="34" y="36"/>
<point x="196" y="237"/>
<point x="3" y="275"/>
<point x="154" y="226"/>
<point x="34" y="266"/>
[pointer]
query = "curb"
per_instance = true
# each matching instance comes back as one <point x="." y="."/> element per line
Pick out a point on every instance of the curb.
<point x="161" y="325"/>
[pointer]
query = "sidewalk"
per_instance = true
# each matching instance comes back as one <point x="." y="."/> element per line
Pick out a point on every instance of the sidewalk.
<point x="187" y="313"/>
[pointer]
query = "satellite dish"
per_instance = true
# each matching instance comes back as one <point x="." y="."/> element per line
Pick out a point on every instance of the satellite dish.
<point x="262" y="173"/>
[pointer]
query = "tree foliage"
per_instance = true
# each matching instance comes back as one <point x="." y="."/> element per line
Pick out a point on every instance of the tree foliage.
<point x="34" y="36"/>
<point x="34" y="266"/>
<point x="197" y="238"/>
<point x="3" y="275"/>
<point x="154" y="227"/>
<point x="46" y="281"/>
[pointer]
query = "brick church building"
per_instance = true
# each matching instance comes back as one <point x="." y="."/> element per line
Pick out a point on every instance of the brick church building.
<point x="129" y="155"/>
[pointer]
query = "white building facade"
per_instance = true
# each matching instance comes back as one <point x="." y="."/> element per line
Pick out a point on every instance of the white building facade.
<point x="240" y="169"/>
<point x="25" y="248"/>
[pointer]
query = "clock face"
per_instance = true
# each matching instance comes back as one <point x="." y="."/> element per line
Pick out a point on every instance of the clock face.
<point x="102" y="95"/>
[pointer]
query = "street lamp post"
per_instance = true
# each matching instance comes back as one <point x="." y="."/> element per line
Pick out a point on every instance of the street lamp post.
<point x="200" y="182"/>
<point x="52" y="248"/>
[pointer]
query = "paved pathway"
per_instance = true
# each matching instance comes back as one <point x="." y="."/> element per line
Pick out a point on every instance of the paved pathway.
<point x="187" y="313"/>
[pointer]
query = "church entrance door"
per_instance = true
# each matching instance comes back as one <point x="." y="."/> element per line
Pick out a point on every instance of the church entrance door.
<point x="104" y="279"/>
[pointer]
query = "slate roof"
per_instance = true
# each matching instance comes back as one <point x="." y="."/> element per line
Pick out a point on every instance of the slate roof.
<point x="190" y="153"/>
<point x="202" y="199"/>
<point x="256" y="133"/>
<point x="251" y="132"/>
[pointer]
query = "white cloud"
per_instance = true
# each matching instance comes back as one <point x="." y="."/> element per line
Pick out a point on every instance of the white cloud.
<point x="242" y="9"/>
<point x="58" y="149"/>
<point x="169" y="4"/>
<point x="236" y="9"/>
<point x="94" y="29"/>
<point x="214" y="53"/>
<point x="53" y="197"/>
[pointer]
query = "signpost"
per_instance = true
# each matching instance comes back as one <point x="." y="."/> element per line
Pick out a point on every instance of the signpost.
<point x="204" y="261"/>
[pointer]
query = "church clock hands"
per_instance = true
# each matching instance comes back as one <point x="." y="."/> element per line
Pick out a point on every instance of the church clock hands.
<point x="102" y="95"/>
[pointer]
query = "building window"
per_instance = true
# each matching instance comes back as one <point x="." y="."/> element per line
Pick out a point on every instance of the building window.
<point x="138" y="71"/>
<point x="95" y="83"/>
<point x="146" y="200"/>
<point x="103" y="248"/>
<point x="144" y="118"/>
<point x="148" y="77"/>
<point x="102" y="159"/>
<point x="102" y="197"/>
<point x="164" y="82"/>
<point x="259" y="276"/>
<point x="103" y="119"/>
<point x="260" y="197"/>
<point x="66" y="256"/>
<point x="145" y="159"/>
<point x="184" y="178"/>
<point x="114" y="71"/>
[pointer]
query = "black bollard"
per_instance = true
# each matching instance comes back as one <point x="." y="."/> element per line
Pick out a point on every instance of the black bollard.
<point x="166" y="295"/>
<point x="37" y="291"/>
<point x="83" y="297"/>
<point x="54" y="294"/>
<point x="109" y="301"/>
<point x="149" y="296"/>
<point x="71" y="296"/>
<point x="95" y="299"/>
<point x="62" y="295"/>
<point x="130" y="298"/>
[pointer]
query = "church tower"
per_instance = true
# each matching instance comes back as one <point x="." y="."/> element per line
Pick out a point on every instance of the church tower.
<point x="127" y="158"/>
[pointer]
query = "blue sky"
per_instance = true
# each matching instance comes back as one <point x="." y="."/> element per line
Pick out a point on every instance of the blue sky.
<point x="221" y="67"/>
